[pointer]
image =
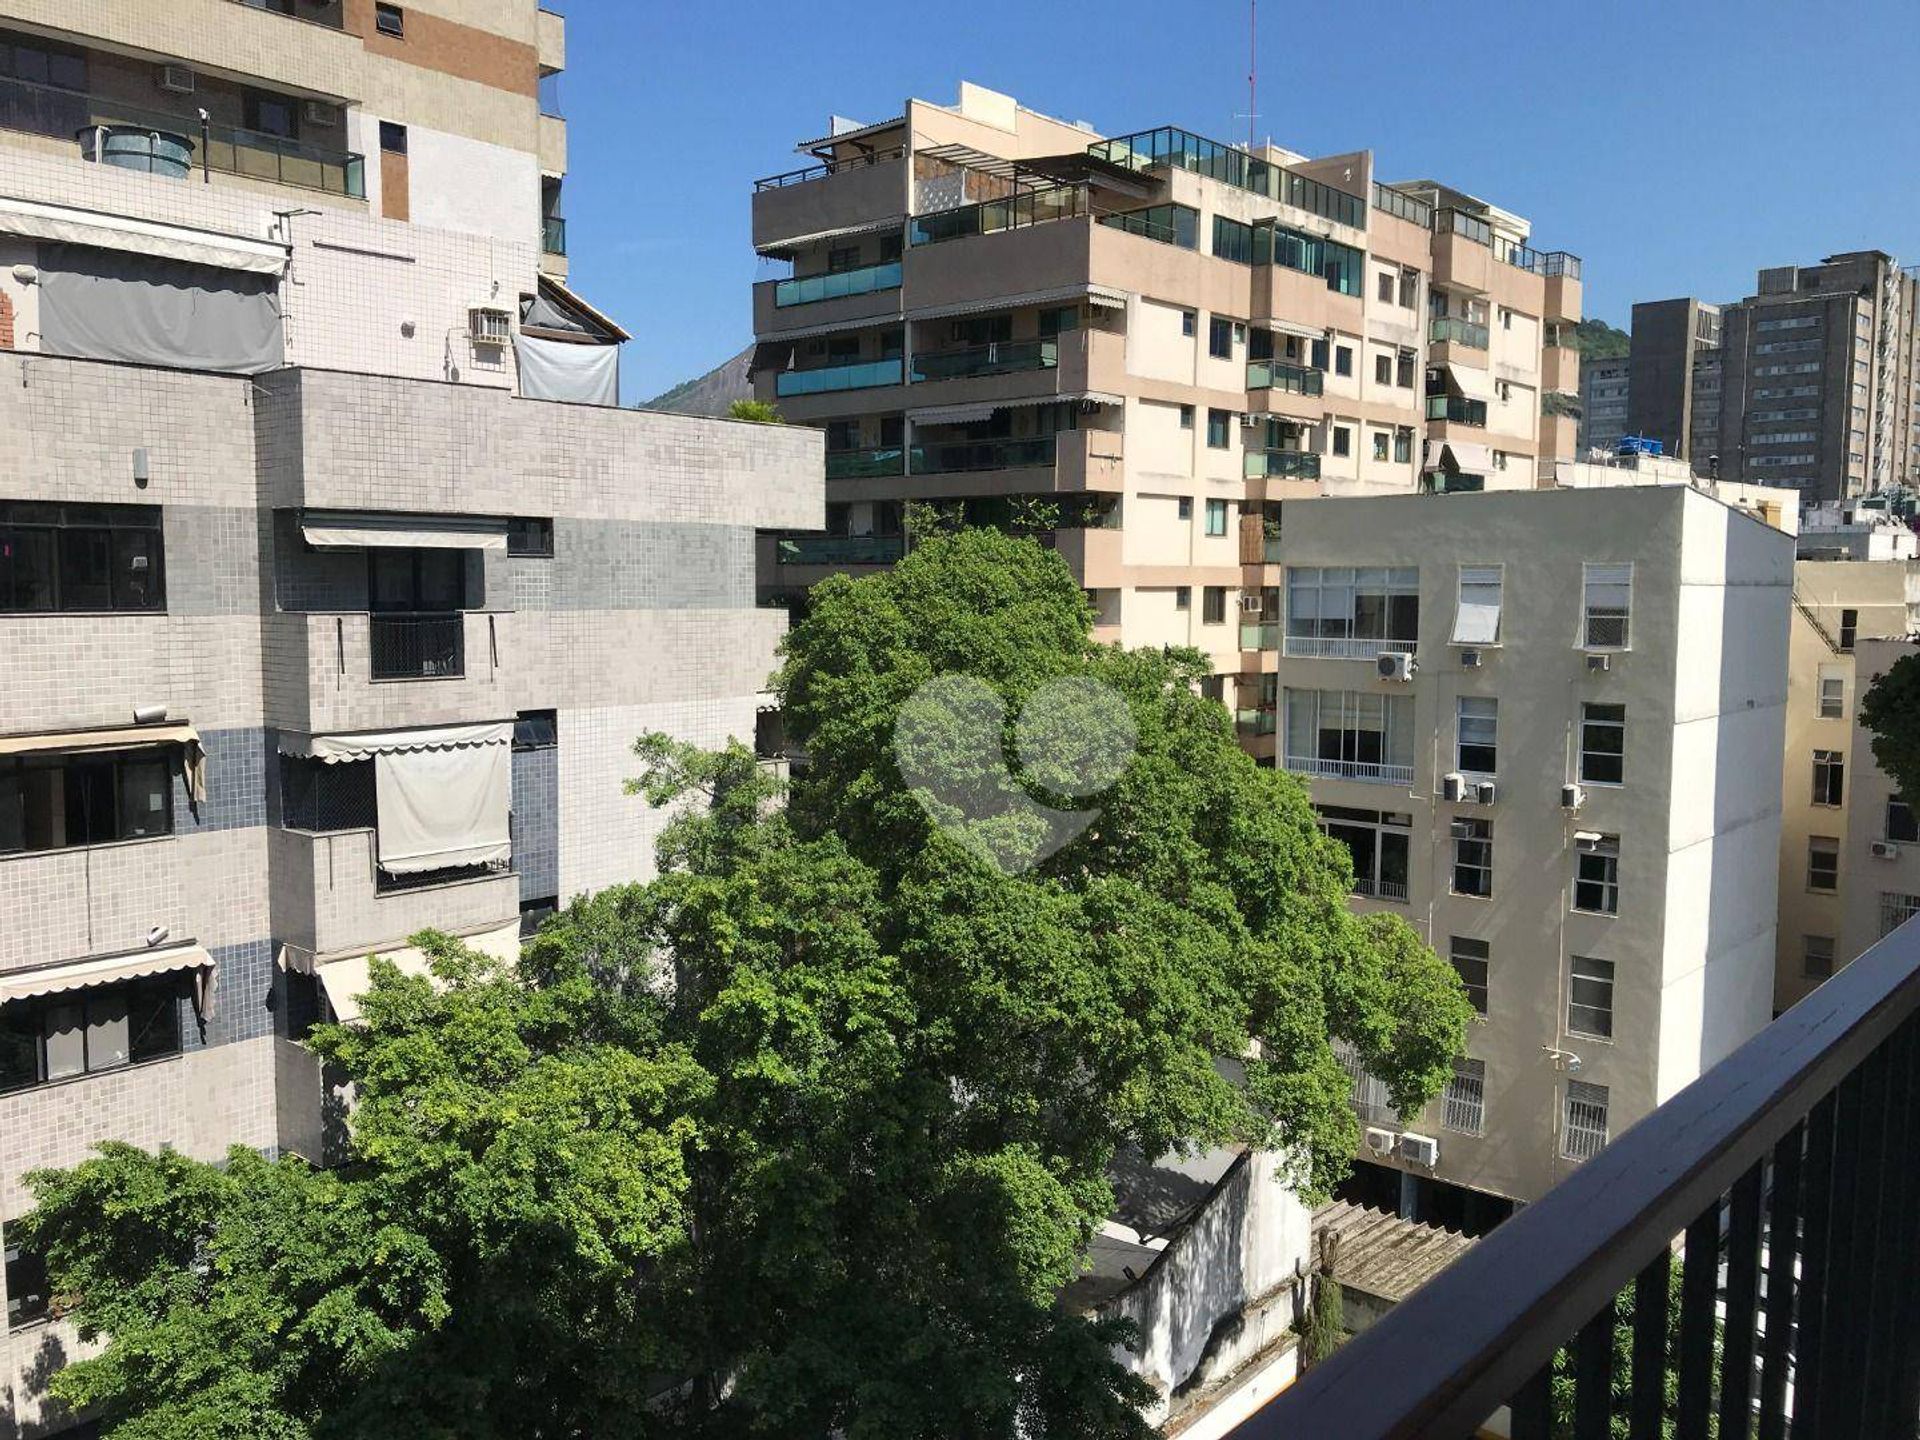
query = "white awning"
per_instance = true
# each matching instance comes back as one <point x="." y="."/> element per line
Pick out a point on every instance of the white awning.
<point x="66" y="224"/>
<point x="1472" y="383"/>
<point x="347" y="980"/>
<point x="972" y="414"/>
<point x="338" y="749"/>
<point x="1459" y="455"/>
<point x="84" y="974"/>
<point x="1288" y="327"/>
<point x="131" y="737"/>
<point x="1476" y="619"/>
<point x="370" y="530"/>
<point x="443" y="808"/>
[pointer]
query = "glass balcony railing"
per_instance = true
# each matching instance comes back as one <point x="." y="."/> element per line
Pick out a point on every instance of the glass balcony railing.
<point x="1006" y="357"/>
<point x="553" y="235"/>
<point x="1015" y="212"/>
<point x="1561" y="335"/>
<point x="860" y="464"/>
<point x="1558" y="265"/>
<point x="1256" y="722"/>
<point x="1459" y="222"/>
<point x="1394" y="202"/>
<point x="1281" y="465"/>
<point x="111" y="132"/>
<point x="964" y="455"/>
<point x="1280" y="375"/>
<point x="1182" y="149"/>
<point x="1456" y="330"/>
<point x="806" y="289"/>
<point x="860" y="375"/>
<point x="1260" y="635"/>
<point x="1169" y="224"/>
<point x="1456" y="409"/>
<point x="842" y="549"/>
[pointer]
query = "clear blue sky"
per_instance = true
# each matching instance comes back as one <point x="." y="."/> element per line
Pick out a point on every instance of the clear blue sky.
<point x="1625" y="131"/>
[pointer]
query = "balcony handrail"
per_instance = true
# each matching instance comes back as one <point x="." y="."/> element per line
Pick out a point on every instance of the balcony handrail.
<point x="1407" y="207"/>
<point x="1018" y="211"/>
<point x="828" y="167"/>
<point x="1460" y="222"/>
<point x="852" y="375"/>
<point x="1456" y="1350"/>
<point x="837" y="284"/>
<point x="1458" y="330"/>
<point x="999" y="357"/>
<point x="955" y="457"/>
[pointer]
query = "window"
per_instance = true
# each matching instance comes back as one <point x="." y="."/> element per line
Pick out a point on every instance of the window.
<point x="1213" y="607"/>
<point x="535" y="913"/>
<point x="530" y="535"/>
<point x="1473" y="858"/>
<point x="83" y="1032"/>
<point x="1603" y="744"/>
<point x="1183" y="597"/>
<point x="1403" y="370"/>
<point x="1471" y="961"/>
<point x="1383" y="369"/>
<point x="1349" y="734"/>
<point x="1386" y="287"/>
<point x="1343" y="360"/>
<point x="1061" y="320"/>
<point x="274" y="115"/>
<point x="1477" y="731"/>
<point x="1403" y="447"/>
<point x="1369" y="1096"/>
<point x="1596" y="876"/>
<point x="1379" y="844"/>
<point x="1464" y="1108"/>
<point x="26" y="1287"/>
<point x="1220" y="338"/>
<point x="1476" y="615"/>
<point x="1833" y="697"/>
<point x="1233" y="240"/>
<point x="1506" y="318"/>
<point x="416" y="581"/>
<point x="1585" y="1133"/>
<point x="1823" y="864"/>
<point x="1381" y="442"/>
<point x="1902" y="828"/>
<point x="1189" y="319"/>
<point x="1608" y="603"/>
<point x="1816" y="956"/>
<point x="393" y="138"/>
<point x="42" y="62"/>
<point x="389" y="20"/>
<point x="1184" y="507"/>
<point x="1409" y="289"/>
<point x="80" y="557"/>
<point x="1317" y="354"/>
<point x="847" y="257"/>
<point x="58" y="802"/>
<point x="1219" y="427"/>
<point x="1340" y="612"/>
<point x="1186" y="417"/>
<point x="1216" y="517"/>
<point x="1849" y="628"/>
<point x="1896" y="910"/>
<point x="1590" y="997"/>
<point x="536" y="730"/>
<point x="1829" y="777"/>
<point x="1342" y="440"/>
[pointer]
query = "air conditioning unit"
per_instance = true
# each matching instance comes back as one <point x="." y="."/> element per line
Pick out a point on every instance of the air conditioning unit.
<point x="319" y="112"/>
<point x="1453" y="785"/>
<point x="1599" y="663"/>
<point x="1395" y="665"/>
<point x="1884" y="850"/>
<point x="1420" y="1150"/>
<point x="1461" y="829"/>
<point x="1250" y="604"/>
<point x="180" y="79"/>
<point x="1484" y="792"/>
<point x="487" y="325"/>
<point x="1572" y="797"/>
<point x="1248" y="419"/>
<point x="1587" y="839"/>
<point x="1470" y="659"/>
<point x="1381" y="1142"/>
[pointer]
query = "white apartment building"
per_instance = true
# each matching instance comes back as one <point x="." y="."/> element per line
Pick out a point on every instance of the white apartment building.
<point x="1548" y="726"/>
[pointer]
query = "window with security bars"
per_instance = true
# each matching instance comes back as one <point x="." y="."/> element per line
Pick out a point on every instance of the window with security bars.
<point x="324" y="798"/>
<point x="1608" y="606"/>
<point x="1464" y="1106"/>
<point x="1584" y="1135"/>
<point x="1369" y="1096"/>
<point x="1896" y="910"/>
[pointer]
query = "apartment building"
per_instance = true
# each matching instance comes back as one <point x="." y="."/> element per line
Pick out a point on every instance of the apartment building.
<point x="1604" y="385"/>
<point x="1674" y="378"/>
<point x="1558" y="763"/>
<point x="1817" y="378"/>
<point x="1139" y="346"/>
<point x="1882" y="856"/>
<point x="324" y="620"/>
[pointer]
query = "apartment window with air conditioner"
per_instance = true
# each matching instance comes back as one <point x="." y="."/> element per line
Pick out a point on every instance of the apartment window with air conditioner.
<point x="1823" y="864"/>
<point x="1473" y="858"/>
<point x="1608" y="604"/>
<point x="1590" y="997"/>
<point x="1902" y="827"/>
<point x="1829" y="777"/>
<point x="1603" y="744"/>
<point x="1596" y="877"/>
<point x="1584" y="1133"/>
<point x="1816" y="956"/>
<point x="1477" y="734"/>
<point x="1464" y="1107"/>
<point x="1472" y="959"/>
<point x="1476" y="615"/>
<point x="389" y="20"/>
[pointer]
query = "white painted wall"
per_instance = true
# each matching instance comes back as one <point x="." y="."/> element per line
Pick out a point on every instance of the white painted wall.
<point x="454" y="183"/>
<point x="1156" y="348"/>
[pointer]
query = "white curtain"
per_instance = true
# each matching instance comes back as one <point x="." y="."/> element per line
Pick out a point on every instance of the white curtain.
<point x="1477" y="620"/>
<point x="559" y="370"/>
<point x="440" y="808"/>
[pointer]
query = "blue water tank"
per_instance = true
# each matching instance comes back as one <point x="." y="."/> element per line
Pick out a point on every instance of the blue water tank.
<point x="133" y="147"/>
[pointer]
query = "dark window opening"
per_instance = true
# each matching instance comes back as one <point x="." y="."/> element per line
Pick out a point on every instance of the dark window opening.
<point x="393" y="137"/>
<point x="323" y="798"/>
<point x="389" y="20"/>
<point x="27" y="1301"/>
<point x="536" y="730"/>
<point x="58" y="802"/>
<point x="271" y="115"/>
<point x="1849" y="628"/>
<point x="535" y="913"/>
<point x="58" y="1037"/>
<point x="530" y="535"/>
<point x="80" y="557"/>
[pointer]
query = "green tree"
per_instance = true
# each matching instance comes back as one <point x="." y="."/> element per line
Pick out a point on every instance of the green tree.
<point x="1620" y="1373"/>
<point x="760" y="412"/>
<point x="806" y="1135"/>
<point x="1891" y="710"/>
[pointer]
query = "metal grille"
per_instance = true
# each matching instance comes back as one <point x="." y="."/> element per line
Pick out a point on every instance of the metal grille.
<point x="324" y="798"/>
<point x="1369" y="1096"/>
<point x="419" y="647"/>
<point x="1896" y="910"/>
<point x="1465" y="1107"/>
<point x="1586" y="1128"/>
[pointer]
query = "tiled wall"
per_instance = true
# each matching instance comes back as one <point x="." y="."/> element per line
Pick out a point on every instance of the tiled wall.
<point x="536" y="821"/>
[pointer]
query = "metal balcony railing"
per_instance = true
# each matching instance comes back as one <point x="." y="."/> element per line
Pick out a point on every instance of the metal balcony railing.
<point x="860" y="464"/>
<point x="842" y="549"/>
<point x="1785" y="1170"/>
<point x="1348" y="647"/>
<point x="1457" y="330"/>
<point x="1006" y="357"/>
<point x="1281" y="464"/>
<point x="1350" y="769"/>
<point x="1280" y="375"/>
<point x="989" y="217"/>
<point x="553" y="235"/>
<point x="834" y="285"/>
<point x="1375" y="887"/>
<point x="822" y="171"/>
<point x="1405" y="206"/>
<point x="1459" y="222"/>
<point x="418" y="647"/>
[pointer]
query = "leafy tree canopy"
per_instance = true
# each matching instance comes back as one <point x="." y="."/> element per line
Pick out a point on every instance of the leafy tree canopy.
<point x="1891" y="710"/>
<point x="805" y="1135"/>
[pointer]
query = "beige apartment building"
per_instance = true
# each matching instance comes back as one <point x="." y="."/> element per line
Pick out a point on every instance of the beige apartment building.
<point x="1138" y="347"/>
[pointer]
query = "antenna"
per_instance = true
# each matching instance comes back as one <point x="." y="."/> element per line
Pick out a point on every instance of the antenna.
<point x="1253" y="67"/>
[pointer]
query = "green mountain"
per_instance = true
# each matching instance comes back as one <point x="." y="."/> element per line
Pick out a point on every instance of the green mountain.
<point x="1597" y="340"/>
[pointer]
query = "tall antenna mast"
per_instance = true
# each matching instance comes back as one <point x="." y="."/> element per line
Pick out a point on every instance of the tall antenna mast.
<point x="1253" y="67"/>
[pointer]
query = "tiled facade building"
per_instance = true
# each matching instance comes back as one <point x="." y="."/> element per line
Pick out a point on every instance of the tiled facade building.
<point x="323" y="620"/>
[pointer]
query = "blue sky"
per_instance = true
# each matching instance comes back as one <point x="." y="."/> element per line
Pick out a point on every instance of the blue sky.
<point x="1623" y="130"/>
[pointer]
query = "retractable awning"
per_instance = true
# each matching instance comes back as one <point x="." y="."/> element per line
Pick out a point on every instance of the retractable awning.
<point x="347" y="980"/>
<point x="1288" y="327"/>
<point x="1462" y="455"/>
<point x="373" y="530"/>
<point x="972" y="414"/>
<point x="131" y="737"/>
<point x="1472" y="383"/>
<point x="790" y="244"/>
<point x="339" y="749"/>
<point x="1059" y="295"/>
<point x="65" y="224"/>
<point x="84" y="974"/>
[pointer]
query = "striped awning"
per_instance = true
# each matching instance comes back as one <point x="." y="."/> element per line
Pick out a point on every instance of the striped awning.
<point x="74" y="975"/>
<point x="129" y="737"/>
<point x="346" y="981"/>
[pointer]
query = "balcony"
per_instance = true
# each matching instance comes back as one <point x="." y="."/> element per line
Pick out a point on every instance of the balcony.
<point x="129" y="137"/>
<point x="859" y="375"/>
<point x="1376" y="887"/>
<point x="418" y="647"/>
<point x="1260" y="635"/>
<point x="837" y="285"/>
<point x="1783" y="1172"/>
<point x="1454" y="330"/>
<point x="330" y="13"/>
<point x="1280" y="464"/>
<point x="553" y="235"/>
<point x="1457" y="410"/>
<point x="1009" y="357"/>
<point x="842" y="549"/>
<point x="1374" y="771"/>
<point x="1279" y="375"/>
<point x="988" y="217"/>
<point x="1347" y="647"/>
<point x="840" y="195"/>
<point x="1260" y="721"/>
<point x="968" y="455"/>
<point x="879" y="460"/>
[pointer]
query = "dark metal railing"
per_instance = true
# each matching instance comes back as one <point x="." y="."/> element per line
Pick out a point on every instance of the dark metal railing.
<point x="1459" y="222"/>
<point x="1784" y="1167"/>
<point x="826" y="168"/>
<point x="418" y="647"/>
<point x="1396" y="202"/>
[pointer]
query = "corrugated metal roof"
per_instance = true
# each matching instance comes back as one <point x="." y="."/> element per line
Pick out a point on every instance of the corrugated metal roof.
<point x="1381" y="1254"/>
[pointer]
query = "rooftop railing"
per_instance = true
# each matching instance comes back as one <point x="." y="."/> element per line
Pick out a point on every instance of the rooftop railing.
<point x="1011" y="212"/>
<point x="836" y="284"/>
<point x="1784" y="1170"/>
<point x="1168" y="145"/>
<point x="1459" y="222"/>
<point x="1405" y="206"/>
<point x="828" y="167"/>
<point x="1546" y="263"/>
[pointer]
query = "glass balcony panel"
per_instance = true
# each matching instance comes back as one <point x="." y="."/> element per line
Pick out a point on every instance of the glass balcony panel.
<point x="842" y="549"/>
<point x="860" y="375"/>
<point x="1004" y="357"/>
<point x="859" y="464"/>
<point x="835" y="285"/>
<point x="1281" y="375"/>
<point x="966" y="455"/>
<point x="1458" y="331"/>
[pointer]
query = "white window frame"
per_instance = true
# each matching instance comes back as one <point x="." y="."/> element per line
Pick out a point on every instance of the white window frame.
<point x="1350" y="713"/>
<point x="1832" y="697"/>
<point x="1463" y="1106"/>
<point x="1606" y="599"/>
<point x="1313" y="591"/>
<point x="1481" y="715"/>
<point x="1591" y="1012"/>
<point x="1478" y="598"/>
<point x="1604" y="860"/>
